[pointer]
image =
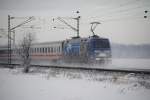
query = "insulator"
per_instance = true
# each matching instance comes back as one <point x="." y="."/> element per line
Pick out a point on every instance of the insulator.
<point x="145" y="16"/>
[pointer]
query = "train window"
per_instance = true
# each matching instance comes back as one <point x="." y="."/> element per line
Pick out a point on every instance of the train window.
<point x="56" y="49"/>
<point x="52" y="49"/>
<point x="45" y="50"/>
<point x="59" y="48"/>
<point x="37" y="50"/>
<point x="101" y="43"/>
<point x="48" y="50"/>
<point x="34" y="50"/>
<point x="40" y="50"/>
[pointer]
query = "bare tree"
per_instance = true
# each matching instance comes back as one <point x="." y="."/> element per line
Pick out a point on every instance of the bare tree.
<point x="24" y="51"/>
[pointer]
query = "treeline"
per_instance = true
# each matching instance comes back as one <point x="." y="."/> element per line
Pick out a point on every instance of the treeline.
<point x="130" y="51"/>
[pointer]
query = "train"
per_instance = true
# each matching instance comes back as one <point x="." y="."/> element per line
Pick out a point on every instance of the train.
<point x="86" y="50"/>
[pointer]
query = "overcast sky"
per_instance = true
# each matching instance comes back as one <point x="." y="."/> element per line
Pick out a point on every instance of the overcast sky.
<point x="122" y="21"/>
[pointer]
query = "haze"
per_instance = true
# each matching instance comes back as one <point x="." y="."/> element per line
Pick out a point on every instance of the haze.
<point x="122" y="21"/>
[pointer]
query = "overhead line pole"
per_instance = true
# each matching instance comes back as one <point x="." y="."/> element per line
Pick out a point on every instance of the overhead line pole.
<point x="78" y="23"/>
<point x="9" y="35"/>
<point x="73" y="28"/>
<point x="9" y="41"/>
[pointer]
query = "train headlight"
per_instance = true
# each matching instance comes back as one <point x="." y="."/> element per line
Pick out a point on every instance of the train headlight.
<point x="102" y="55"/>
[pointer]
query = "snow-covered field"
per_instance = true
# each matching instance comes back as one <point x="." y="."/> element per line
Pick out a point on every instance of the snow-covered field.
<point x="136" y="63"/>
<point x="69" y="84"/>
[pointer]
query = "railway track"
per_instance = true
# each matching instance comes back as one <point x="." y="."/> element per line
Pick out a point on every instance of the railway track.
<point x="124" y="70"/>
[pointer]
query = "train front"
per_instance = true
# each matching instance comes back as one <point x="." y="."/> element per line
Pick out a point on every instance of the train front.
<point x="99" y="49"/>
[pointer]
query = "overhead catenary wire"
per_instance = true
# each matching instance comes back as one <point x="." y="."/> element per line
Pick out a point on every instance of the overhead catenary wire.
<point x="27" y="21"/>
<point x="117" y="7"/>
<point x="135" y="15"/>
<point x="127" y="10"/>
<point x="124" y="19"/>
<point x="110" y="7"/>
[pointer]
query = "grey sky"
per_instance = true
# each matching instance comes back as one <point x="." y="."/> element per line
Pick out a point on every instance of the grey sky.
<point x="122" y="20"/>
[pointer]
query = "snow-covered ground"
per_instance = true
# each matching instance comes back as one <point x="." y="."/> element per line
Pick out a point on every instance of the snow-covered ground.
<point x="69" y="84"/>
<point x="136" y="63"/>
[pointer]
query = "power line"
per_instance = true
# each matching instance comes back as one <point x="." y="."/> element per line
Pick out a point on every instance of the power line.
<point x="110" y="8"/>
<point x="128" y="10"/>
<point x="119" y="6"/>
<point x="27" y="21"/>
<point x="125" y="19"/>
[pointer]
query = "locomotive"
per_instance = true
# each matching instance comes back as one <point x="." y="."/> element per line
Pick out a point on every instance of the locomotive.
<point x="87" y="50"/>
<point x="93" y="49"/>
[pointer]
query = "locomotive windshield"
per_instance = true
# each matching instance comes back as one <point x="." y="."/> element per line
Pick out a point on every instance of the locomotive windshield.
<point x="101" y="44"/>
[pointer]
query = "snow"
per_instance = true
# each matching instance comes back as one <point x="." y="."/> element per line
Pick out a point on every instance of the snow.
<point x="136" y="63"/>
<point x="67" y="84"/>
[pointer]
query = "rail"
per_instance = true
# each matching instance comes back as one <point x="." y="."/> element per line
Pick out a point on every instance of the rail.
<point x="124" y="70"/>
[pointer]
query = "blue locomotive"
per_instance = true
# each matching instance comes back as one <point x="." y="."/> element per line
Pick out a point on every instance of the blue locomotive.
<point x="93" y="49"/>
